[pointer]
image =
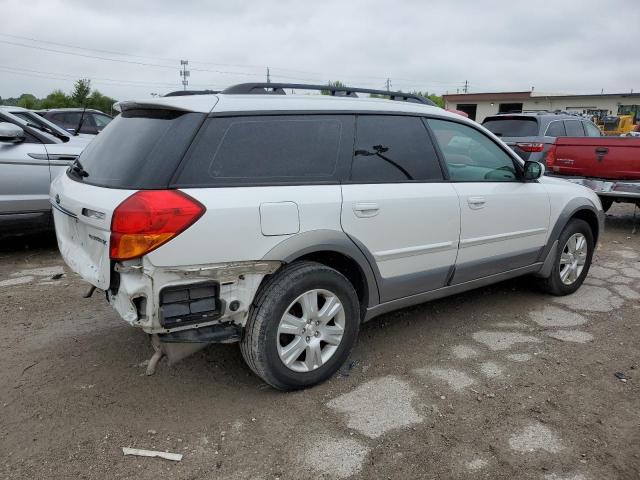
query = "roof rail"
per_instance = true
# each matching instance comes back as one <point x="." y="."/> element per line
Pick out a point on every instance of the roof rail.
<point x="183" y="93"/>
<point x="278" y="89"/>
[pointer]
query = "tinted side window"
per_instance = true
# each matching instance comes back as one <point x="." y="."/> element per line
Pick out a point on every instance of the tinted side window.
<point x="470" y="155"/>
<point x="393" y="149"/>
<point x="574" y="128"/>
<point x="262" y="150"/>
<point x="556" y="129"/>
<point x="592" y="130"/>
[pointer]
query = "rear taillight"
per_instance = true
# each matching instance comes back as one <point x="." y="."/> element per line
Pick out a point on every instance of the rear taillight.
<point x="530" y="147"/>
<point x="148" y="219"/>
<point x="550" y="159"/>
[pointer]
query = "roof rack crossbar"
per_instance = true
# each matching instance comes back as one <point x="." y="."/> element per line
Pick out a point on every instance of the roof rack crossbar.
<point x="278" y="89"/>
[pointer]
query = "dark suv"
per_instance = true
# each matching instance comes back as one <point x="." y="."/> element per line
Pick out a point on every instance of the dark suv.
<point x="531" y="134"/>
<point x="93" y="121"/>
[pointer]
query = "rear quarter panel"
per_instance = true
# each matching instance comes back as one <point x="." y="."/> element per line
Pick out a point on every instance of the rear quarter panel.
<point x="232" y="228"/>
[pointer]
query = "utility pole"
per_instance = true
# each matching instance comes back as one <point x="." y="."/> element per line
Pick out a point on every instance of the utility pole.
<point x="268" y="76"/>
<point x="466" y="86"/>
<point x="388" y="84"/>
<point x="184" y="73"/>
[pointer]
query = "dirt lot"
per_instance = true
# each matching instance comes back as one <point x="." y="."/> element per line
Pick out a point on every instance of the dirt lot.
<point x="501" y="382"/>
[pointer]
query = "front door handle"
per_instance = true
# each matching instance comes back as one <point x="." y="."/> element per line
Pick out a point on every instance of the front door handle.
<point x="476" y="202"/>
<point x="366" y="209"/>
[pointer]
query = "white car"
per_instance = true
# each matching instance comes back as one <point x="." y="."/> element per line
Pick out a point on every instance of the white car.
<point x="283" y="222"/>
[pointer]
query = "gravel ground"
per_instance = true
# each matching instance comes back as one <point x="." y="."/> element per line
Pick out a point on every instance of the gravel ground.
<point x="500" y="382"/>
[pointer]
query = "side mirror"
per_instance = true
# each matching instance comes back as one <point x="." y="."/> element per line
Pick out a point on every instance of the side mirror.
<point x="533" y="171"/>
<point x="10" y="133"/>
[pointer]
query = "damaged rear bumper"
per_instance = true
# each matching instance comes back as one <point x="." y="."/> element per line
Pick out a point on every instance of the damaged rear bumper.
<point x="187" y="304"/>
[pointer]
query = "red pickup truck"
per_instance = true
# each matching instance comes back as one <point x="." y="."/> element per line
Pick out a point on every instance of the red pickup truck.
<point x="608" y="165"/>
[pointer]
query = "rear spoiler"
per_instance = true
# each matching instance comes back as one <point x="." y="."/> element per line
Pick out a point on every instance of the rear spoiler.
<point x="191" y="103"/>
<point x="124" y="106"/>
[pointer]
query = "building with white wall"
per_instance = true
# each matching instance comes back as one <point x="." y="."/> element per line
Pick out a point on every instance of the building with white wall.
<point x="481" y="105"/>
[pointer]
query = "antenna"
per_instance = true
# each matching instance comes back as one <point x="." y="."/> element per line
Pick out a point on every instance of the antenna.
<point x="268" y="76"/>
<point x="184" y="73"/>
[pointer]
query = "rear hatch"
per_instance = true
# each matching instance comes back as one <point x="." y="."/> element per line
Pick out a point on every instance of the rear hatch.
<point x="521" y="133"/>
<point x="139" y="150"/>
<point x="610" y="158"/>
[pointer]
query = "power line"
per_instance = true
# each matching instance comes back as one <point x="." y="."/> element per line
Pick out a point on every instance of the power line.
<point x="434" y="83"/>
<point x="162" y="59"/>
<point x="95" y="80"/>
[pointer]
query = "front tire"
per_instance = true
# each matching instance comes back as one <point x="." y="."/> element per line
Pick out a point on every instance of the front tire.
<point x="573" y="259"/>
<point x="302" y="326"/>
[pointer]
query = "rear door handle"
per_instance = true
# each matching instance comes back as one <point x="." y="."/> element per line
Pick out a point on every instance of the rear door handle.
<point x="476" y="202"/>
<point x="366" y="209"/>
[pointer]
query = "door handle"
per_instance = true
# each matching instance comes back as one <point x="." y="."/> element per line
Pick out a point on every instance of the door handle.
<point x="601" y="152"/>
<point x="476" y="202"/>
<point x="365" y="210"/>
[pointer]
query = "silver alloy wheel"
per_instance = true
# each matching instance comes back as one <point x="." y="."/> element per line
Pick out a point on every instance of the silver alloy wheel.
<point x="573" y="258"/>
<point x="310" y="330"/>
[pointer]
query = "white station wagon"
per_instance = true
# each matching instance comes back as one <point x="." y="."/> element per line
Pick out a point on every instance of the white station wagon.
<point x="283" y="222"/>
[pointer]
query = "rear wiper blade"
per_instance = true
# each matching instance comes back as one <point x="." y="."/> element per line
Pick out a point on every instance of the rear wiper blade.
<point x="77" y="169"/>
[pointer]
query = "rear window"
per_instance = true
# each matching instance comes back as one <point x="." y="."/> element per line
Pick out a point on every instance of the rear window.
<point x="262" y="150"/>
<point x="512" y="127"/>
<point x="139" y="149"/>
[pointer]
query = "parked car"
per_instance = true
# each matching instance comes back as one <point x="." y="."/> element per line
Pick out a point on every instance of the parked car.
<point x="31" y="154"/>
<point x="93" y="121"/>
<point x="531" y="135"/>
<point x="39" y="122"/>
<point x="610" y="166"/>
<point x="284" y="221"/>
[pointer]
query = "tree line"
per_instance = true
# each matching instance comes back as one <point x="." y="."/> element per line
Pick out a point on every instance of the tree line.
<point x="82" y="95"/>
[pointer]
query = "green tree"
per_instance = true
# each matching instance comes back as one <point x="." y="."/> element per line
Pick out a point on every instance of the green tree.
<point x="29" y="101"/>
<point x="100" y="102"/>
<point x="81" y="91"/>
<point x="437" y="99"/>
<point x="56" y="99"/>
<point x="336" y="83"/>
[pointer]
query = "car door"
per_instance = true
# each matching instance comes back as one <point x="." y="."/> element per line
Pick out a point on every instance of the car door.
<point x="24" y="178"/>
<point x="504" y="220"/>
<point x="398" y="208"/>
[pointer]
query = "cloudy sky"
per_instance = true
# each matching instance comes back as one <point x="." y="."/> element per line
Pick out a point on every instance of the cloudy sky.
<point x="132" y="48"/>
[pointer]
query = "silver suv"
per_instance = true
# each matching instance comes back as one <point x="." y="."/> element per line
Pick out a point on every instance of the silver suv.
<point x="33" y="151"/>
<point x="283" y="222"/>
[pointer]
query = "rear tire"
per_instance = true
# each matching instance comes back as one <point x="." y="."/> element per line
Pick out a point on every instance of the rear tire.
<point x="572" y="260"/>
<point x="289" y="342"/>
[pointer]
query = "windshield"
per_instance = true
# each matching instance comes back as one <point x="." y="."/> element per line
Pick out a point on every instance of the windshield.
<point x="28" y="124"/>
<point x="39" y="122"/>
<point x="139" y="149"/>
<point x="512" y="127"/>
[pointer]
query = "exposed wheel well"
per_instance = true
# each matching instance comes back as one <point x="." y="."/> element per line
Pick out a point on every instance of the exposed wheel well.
<point x="347" y="267"/>
<point x="591" y="218"/>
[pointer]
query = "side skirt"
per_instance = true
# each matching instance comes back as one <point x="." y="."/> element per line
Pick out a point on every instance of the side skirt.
<point x="446" y="291"/>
